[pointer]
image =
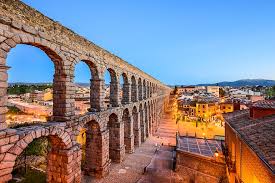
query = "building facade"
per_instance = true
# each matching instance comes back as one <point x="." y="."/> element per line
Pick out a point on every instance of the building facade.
<point x="215" y="90"/>
<point x="249" y="144"/>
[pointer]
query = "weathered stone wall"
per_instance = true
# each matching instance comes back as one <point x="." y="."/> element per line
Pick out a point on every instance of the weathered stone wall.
<point x="143" y="97"/>
<point x="63" y="136"/>
<point x="199" y="169"/>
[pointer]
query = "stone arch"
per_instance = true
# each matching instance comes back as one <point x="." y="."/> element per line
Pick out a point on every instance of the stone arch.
<point x="140" y="93"/>
<point x="128" y="131"/>
<point x="62" y="148"/>
<point x="62" y="78"/>
<point x="116" y="139"/>
<point x="114" y="88"/>
<point x="134" y="89"/>
<point x="125" y="89"/>
<point x="96" y="83"/>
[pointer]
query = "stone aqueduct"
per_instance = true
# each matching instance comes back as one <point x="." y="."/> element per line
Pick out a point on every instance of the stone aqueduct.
<point x="111" y="132"/>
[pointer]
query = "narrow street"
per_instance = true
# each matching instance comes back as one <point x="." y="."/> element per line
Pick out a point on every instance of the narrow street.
<point x="156" y="158"/>
<point x="160" y="170"/>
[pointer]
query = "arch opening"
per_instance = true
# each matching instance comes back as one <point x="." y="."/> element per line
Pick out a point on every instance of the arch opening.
<point x="125" y="92"/>
<point x="41" y="156"/>
<point x="111" y="89"/>
<point x="32" y="92"/>
<point x="87" y="87"/>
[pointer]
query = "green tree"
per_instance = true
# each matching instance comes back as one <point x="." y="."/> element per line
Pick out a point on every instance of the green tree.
<point x="175" y="90"/>
<point x="271" y="92"/>
<point x="221" y="92"/>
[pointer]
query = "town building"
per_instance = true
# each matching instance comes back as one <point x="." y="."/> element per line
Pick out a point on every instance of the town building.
<point x="186" y="89"/>
<point x="187" y="109"/>
<point x="249" y="144"/>
<point x="41" y="96"/>
<point x="215" y="90"/>
<point x="206" y="110"/>
<point x="255" y="98"/>
<point x="226" y="107"/>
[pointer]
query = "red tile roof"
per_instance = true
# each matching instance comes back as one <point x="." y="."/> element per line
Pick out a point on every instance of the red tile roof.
<point x="267" y="104"/>
<point x="259" y="133"/>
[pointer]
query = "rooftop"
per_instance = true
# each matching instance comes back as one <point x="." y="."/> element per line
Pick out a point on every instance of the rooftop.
<point x="266" y="104"/>
<point x="199" y="146"/>
<point x="257" y="133"/>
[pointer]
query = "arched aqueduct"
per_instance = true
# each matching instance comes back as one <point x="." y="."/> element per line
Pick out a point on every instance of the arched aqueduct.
<point x="111" y="131"/>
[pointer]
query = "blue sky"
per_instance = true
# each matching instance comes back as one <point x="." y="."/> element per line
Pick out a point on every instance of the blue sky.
<point x="177" y="41"/>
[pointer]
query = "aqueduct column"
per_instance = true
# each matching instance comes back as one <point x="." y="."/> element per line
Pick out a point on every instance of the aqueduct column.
<point x="64" y="165"/>
<point x="129" y="135"/>
<point x="116" y="139"/>
<point x="63" y="97"/>
<point x="3" y="93"/>
<point x="140" y="90"/>
<point x="142" y="125"/>
<point x="97" y="94"/>
<point x="146" y="122"/>
<point x="97" y="162"/>
<point x="126" y="97"/>
<point x="114" y="92"/>
<point x="134" y="90"/>
<point x="137" y="129"/>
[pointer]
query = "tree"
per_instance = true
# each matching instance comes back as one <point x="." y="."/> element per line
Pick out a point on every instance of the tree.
<point x="221" y="92"/>
<point x="271" y="92"/>
<point x="175" y="90"/>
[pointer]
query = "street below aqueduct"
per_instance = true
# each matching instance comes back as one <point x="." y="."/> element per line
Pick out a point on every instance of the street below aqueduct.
<point x="131" y="170"/>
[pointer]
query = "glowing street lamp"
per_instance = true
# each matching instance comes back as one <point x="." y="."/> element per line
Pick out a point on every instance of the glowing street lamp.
<point x="216" y="153"/>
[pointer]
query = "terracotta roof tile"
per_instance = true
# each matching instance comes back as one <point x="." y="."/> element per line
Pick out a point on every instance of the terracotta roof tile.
<point x="259" y="134"/>
<point x="267" y="104"/>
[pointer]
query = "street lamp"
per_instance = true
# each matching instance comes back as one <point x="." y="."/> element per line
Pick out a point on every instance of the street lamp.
<point x="216" y="153"/>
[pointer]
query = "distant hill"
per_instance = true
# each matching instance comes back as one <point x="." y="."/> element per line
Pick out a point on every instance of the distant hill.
<point x="243" y="82"/>
<point x="83" y="84"/>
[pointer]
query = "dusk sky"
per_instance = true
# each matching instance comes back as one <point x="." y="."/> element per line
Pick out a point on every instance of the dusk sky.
<point x="176" y="41"/>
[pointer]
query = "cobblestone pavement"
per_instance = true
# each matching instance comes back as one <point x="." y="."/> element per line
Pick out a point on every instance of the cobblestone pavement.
<point x="159" y="162"/>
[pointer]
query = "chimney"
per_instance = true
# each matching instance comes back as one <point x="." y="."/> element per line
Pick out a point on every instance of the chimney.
<point x="262" y="108"/>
